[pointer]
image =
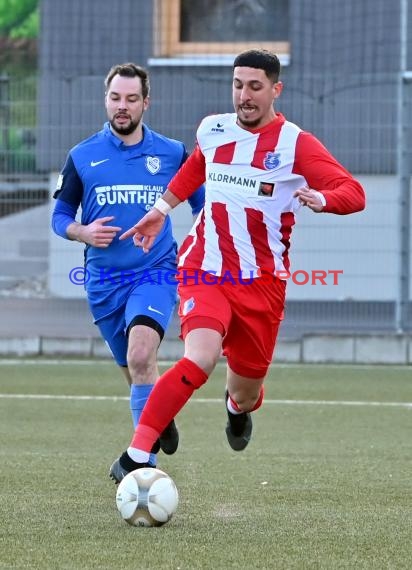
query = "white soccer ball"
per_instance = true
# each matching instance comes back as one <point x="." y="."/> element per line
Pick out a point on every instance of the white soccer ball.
<point x="147" y="497"/>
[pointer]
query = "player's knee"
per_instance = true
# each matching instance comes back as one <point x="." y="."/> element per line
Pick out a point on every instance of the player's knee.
<point x="205" y="361"/>
<point x="243" y="402"/>
<point x="248" y="401"/>
<point x="140" y="361"/>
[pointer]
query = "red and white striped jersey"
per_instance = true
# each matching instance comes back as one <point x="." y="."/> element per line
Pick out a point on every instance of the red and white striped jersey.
<point x="251" y="176"/>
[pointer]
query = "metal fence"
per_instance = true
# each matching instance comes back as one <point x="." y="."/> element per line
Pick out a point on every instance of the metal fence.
<point x="366" y="300"/>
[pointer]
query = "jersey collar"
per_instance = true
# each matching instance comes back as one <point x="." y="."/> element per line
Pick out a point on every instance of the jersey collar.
<point x="145" y="146"/>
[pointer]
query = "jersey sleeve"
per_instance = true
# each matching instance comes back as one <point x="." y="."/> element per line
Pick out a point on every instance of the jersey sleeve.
<point x="189" y="177"/>
<point x="63" y="215"/>
<point x="69" y="185"/>
<point x="343" y="194"/>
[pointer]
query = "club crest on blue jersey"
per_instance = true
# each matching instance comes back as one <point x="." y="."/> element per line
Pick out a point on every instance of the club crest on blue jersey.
<point x="271" y="160"/>
<point x="153" y="164"/>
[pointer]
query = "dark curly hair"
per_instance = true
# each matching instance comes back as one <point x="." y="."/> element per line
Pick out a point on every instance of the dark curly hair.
<point x="260" y="59"/>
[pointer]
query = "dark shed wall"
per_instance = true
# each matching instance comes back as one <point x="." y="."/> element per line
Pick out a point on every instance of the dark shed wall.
<point x="84" y="37"/>
<point x="80" y="40"/>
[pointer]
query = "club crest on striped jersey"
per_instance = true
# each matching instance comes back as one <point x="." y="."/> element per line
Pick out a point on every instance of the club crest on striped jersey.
<point x="153" y="164"/>
<point x="271" y="160"/>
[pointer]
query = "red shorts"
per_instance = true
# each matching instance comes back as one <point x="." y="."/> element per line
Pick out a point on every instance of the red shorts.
<point x="247" y="315"/>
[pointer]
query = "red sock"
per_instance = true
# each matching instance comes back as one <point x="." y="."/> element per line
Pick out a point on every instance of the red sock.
<point x="256" y="406"/>
<point x="169" y="395"/>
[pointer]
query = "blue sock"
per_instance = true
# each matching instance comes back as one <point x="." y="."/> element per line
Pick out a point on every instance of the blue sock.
<point x="138" y="396"/>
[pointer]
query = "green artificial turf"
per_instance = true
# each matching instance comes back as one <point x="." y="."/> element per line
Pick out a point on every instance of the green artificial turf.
<point x="325" y="483"/>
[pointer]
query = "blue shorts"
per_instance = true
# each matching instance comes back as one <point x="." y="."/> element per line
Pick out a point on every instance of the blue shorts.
<point x="148" y="304"/>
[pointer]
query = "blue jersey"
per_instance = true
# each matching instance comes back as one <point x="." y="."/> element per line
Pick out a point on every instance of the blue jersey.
<point x="108" y="178"/>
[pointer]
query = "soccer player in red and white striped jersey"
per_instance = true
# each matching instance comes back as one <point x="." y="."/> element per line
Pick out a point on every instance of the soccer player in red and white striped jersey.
<point x="259" y="170"/>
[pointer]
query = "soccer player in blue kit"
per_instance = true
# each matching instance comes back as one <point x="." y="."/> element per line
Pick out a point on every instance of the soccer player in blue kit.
<point x="116" y="176"/>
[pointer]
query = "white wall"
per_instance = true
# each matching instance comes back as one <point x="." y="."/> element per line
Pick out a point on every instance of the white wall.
<point x="64" y="257"/>
<point x="363" y="245"/>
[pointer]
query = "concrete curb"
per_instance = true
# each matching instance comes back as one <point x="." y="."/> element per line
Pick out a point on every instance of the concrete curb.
<point x="312" y="349"/>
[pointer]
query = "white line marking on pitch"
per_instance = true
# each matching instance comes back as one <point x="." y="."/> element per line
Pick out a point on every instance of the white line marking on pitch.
<point x="211" y="400"/>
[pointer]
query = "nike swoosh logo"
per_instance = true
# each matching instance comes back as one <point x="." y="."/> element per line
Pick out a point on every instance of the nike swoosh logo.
<point x="93" y="163"/>
<point x="150" y="308"/>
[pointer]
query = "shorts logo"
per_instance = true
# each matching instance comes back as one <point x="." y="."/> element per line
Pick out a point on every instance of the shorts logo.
<point x="188" y="306"/>
<point x="150" y="308"/>
<point x="153" y="164"/>
<point x="271" y="160"/>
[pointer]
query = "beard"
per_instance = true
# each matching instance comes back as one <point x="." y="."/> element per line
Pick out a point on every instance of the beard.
<point x="249" y="123"/>
<point x="246" y="122"/>
<point x="124" y="129"/>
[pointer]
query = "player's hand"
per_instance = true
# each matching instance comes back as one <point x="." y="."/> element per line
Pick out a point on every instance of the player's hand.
<point x="310" y="198"/>
<point x="146" y="230"/>
<point x="98" y="234"/>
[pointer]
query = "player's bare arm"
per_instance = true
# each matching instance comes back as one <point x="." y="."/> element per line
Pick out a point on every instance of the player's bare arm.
<point x="96" y="233"/>
<point x="145" y="231"/>
<point x="310" y="198"/>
